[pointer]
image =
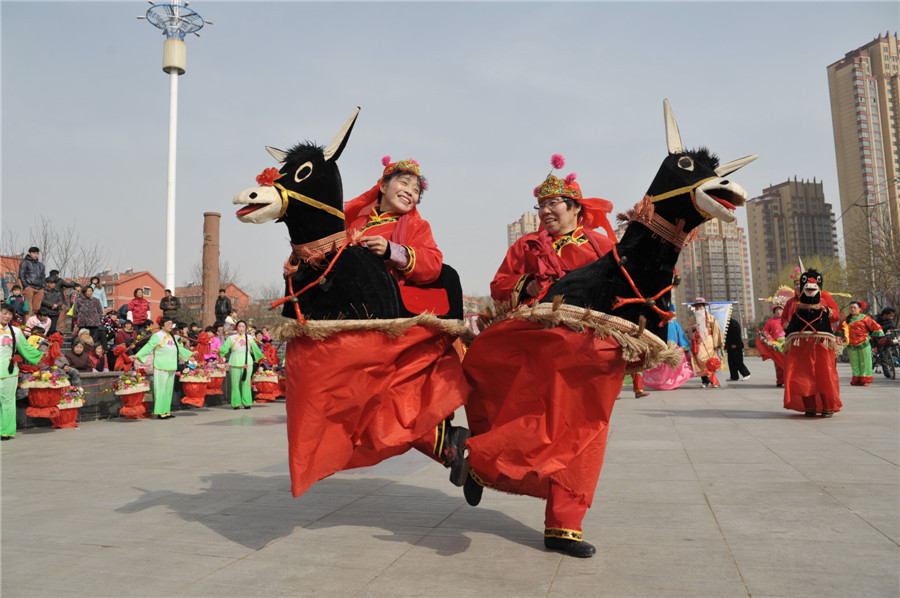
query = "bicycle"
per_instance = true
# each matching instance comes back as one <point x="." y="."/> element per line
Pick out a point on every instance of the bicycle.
<point x="886" y="354"/>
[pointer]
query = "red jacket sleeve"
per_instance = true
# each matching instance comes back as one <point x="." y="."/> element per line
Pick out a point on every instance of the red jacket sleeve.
<point x="835" y="311"/>
<point x="425" y="259"/>
<point x="514" y="273"/>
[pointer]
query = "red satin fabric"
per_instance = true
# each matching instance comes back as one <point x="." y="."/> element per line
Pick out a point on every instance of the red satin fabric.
<point x="67" y="418"/>
<point x="194" y="393"/>
<point x="123" y="360"/>
<point x="834" y="315"/>
<point x="810" y="370"/>
<point x="540" y="407"/>
<point x="53" y="350"/>
<point x="132" y="405"/>
<point x="44" y="402"/>
<point x="564" y="509"/>
<point x="357" y="398"/>
<point x="767" y="352"/>
<point x="214" y="387"/>
<point x="266" y="392"/>
<point x="534" y="254"/>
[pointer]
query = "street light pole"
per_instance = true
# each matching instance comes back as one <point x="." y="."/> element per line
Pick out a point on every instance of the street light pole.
<point x="176" y="20"/>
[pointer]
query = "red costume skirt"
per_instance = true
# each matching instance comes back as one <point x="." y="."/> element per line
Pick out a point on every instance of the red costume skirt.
<point x="810" y="371"/>
<point x="540" y="407"/>
<point x="359" y="397"/>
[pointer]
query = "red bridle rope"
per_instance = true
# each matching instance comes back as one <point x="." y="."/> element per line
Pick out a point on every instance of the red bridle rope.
<point x="320" y="280"/>
<point x="665" y="316"/>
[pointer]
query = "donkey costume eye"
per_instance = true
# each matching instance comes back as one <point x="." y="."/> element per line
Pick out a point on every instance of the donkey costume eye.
<point x="303" y="172"/>
<point x="685" y="163"/>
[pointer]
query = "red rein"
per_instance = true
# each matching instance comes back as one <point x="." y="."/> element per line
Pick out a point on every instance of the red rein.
<point x="317" y="281"/>
<point x="665" y="316"/>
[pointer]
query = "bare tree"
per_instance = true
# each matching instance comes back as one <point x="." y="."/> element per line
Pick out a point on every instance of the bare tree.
<point x="9" y="243"/>
<point x="62" y="249"/>
<point x="259" y="313"/>
<point x="228" y="274"/>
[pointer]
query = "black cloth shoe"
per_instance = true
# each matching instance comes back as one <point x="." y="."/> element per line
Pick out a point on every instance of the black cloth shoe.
<point x="473" y="491"/>
<point x="6" y="437"/>
<point x="453" y="454"/>
<point x="245" y="407"/>
<point x="576" y="548"/>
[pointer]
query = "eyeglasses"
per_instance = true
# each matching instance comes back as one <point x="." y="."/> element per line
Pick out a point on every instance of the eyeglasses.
<point x="551" y="203"/>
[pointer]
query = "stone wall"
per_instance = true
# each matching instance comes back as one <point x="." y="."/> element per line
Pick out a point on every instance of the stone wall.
<point x="101" y="403"/>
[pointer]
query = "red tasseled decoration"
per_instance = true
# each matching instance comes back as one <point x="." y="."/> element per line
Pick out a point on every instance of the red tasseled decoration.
<point x="557" y="161"/>
<point x="203" y="344"/>
<point x="571" y="178"/>
<point x="54" y="350"/>
<point x="385" y="160"/>
<point x="123" y="360"/>
<point x="271" y="354"/>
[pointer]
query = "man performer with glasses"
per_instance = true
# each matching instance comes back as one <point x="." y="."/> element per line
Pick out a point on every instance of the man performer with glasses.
<point x="566" y="240"/>
<point x="507" y="423"/>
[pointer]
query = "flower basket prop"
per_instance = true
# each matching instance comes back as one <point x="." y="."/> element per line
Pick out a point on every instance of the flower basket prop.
<point x="194" y="383"/>
<point x="266" y="386"/>
<point x="72" y="400"/>
<point x="132" y="387"/>
<point x="216" y="371"/>
<point x="45" y="389"/>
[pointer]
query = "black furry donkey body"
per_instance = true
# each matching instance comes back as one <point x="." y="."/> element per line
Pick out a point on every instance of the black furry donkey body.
<point x="634" y="282"/>
<point x="307" y="195"/>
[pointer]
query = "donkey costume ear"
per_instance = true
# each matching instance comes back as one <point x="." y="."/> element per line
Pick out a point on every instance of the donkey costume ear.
<point x="734" y="165"/>
<point x="333" y="151"/>
<point x="279" y="155"/>
<point x="802" y="269"/>
<point x="673" y="137"/>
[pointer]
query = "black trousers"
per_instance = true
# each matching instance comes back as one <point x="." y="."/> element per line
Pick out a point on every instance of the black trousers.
<point x="736" y="364"/>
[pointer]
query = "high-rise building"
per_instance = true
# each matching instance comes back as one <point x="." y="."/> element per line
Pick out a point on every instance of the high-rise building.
<point x="789" y="220"/>
<point x="865" y="110"/>
<point x="528" y="223"/>
<point x="715" y="265"/>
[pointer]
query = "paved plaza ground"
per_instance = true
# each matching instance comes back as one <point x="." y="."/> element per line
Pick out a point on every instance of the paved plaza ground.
<point x="703" y="493"/>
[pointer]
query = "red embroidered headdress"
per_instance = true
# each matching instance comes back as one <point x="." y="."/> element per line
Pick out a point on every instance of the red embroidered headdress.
<point x="594" y="210"/>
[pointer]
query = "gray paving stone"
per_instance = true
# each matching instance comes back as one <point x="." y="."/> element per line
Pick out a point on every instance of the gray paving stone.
<point x="703" y="493"/>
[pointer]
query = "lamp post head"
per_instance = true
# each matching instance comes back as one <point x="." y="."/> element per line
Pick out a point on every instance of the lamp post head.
<point x="175" y="19"/>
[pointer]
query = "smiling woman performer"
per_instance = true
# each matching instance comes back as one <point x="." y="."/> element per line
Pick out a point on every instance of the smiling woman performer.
<point x="565" y="241"/>
<point x="391" y="228"/>
<point x="419" y="381"/>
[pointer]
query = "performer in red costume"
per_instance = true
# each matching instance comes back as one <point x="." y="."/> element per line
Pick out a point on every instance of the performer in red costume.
<point x="502" y="456"/>
<point x="404" y="393"/>
<point x="811" y="381"/>
<point x="790" y="307"/>
<point x="391" y="227"/>
<point x="856" y="328"/>
<point x="770" y="341"/>
<point x="564" y="242"/>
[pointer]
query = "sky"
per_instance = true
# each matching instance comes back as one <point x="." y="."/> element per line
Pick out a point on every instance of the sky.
<point x="480" y="93"/>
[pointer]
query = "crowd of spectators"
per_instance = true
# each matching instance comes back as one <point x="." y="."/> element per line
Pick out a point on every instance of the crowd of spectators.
<point x="102" y="339"/>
